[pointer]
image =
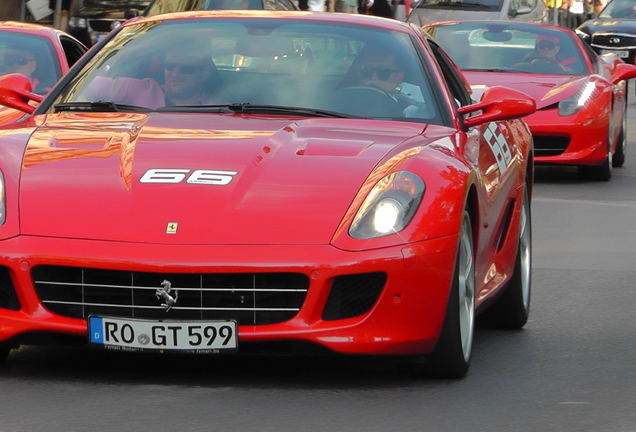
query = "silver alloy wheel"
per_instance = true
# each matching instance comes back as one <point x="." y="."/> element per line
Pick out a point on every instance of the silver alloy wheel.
<point x="525" y="251"/>
<point x="466" y="288"/>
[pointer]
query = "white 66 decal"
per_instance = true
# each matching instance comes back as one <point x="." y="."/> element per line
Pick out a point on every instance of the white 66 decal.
<point x="176" y="175"/>
<point x="499" y="146"/>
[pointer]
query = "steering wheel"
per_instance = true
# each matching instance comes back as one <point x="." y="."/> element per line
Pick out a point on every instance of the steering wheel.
<point x="368" y="101"/>
<point x="538" y="58"/>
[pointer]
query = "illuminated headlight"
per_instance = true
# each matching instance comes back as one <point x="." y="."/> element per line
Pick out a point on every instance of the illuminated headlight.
<point x="582" y="35"/>
<point x="77" y="22"/>
<point x="3" y="206"/>
<point x="389" y="207"/>
<point x="572" y="105"/>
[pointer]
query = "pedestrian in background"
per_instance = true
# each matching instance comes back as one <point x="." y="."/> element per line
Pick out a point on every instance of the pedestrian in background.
<point x="577" y="13"/>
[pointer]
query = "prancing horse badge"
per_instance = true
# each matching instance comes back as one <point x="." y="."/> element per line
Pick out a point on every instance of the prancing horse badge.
<point x="172" y="228"/>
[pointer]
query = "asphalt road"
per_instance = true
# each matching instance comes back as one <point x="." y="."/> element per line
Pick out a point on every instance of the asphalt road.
<point x="571" y="369"/>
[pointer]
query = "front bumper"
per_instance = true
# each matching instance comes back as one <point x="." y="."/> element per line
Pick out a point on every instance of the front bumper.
<point x="580" y="139"/>
<point x="405" y="319"/>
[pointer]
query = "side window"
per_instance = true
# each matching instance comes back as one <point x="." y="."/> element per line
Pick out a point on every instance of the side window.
<point x="451" y="75"/>
<point x="72" y="50"/>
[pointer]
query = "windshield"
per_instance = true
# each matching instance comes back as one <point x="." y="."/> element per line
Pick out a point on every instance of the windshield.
<point x="625" y="9"/>
<point x="481" y="5"/>
<point x="31" y="56"/>
<point x="504" y="47"/>
<point x="190" y="64"/>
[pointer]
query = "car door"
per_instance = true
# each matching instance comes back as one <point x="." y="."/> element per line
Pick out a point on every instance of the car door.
<point x="490" y="149"/>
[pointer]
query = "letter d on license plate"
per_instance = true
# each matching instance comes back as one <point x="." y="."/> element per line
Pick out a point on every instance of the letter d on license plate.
<point x="185" y="336"/>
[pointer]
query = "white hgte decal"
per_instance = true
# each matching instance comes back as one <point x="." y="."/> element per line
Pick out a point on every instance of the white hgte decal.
<point x="209" y="177"/>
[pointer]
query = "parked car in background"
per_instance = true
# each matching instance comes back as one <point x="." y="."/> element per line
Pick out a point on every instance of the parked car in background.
<point x="613" y="30"/>
<point x="97" y="18"/>
<point x="431" y="11"/>
<point x="581" y="116"/>
<point x="41" y="53"/>
<point x="187" y="158"/>
<point x="166" y="6"/>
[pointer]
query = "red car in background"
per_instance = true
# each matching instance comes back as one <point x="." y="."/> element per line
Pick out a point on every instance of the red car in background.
<point x="581" y="96"/>
<point x="223" y="181"/>
<point x="41" y="53"/>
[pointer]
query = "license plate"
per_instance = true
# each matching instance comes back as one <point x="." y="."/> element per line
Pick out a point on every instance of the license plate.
<point x="169" y="335"/>
<point x="621" y="54"/>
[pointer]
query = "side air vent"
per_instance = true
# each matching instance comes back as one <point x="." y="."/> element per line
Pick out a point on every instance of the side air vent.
<point x="353" y="295"/>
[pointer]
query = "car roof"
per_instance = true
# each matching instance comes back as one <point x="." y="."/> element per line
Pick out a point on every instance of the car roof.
<point x="389" y="24"/>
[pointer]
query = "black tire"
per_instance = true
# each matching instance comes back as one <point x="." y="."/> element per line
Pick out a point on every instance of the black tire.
<point x="451" y="356"/>
<point x="512" y="309"/>
<point x="618" y="160"/>
<point x="598" y="173"/>
<point x="5" y="349"/>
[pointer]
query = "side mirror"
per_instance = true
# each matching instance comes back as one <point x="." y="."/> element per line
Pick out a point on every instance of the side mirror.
<point x="16" y="92"/>
<point x="622" y="72"/>
<point x="499" y="103"/>
<point x="522" y="10"/>
<point x="131" y="13"/>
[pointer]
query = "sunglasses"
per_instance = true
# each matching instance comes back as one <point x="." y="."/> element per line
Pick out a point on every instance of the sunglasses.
<point x="184" y="68"/>
<point x="17" y="61"/>
<point x="383" y="73"/>
<point x="546" y="45"/>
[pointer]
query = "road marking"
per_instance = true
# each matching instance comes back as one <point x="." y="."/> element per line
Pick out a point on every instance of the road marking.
<point x="631" y="204"/>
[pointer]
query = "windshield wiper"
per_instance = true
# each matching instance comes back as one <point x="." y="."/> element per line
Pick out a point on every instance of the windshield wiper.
<point x="456" y="4"/>
<point x="476" y="5"/>
<point x="248" y="108"/>
<point x="98" y="106"/>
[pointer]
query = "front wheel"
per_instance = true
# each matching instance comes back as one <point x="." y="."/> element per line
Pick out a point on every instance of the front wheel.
<point x="512" y="309"/>
<point x="598" y="173"/>
<point x="621" y="146"/>
<point x="451" y="356"/>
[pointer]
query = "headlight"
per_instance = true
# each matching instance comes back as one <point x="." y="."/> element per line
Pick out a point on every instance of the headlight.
<point x="3" y="206"/>
<point x="582" y="35"/>
<point x="572" y="105"/>
<point x="389" y="207"/>
<point x="77" y="22"/>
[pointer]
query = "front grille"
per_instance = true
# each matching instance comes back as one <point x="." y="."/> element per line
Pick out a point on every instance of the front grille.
<point x="8" y="297"/>
<point x="248" y="298"/>
<point x="613" y="41"/>
<point x="102" y="26"/>
<point x="550" y="145"/>
<point x="353" y="295"/>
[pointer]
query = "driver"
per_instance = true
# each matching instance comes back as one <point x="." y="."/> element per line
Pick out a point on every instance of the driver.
<point x="190" y="77"/>
<point x="545" y="51"/>
<point x="383" y="70"/>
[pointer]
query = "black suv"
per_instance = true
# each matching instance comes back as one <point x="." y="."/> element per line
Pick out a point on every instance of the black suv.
<point x="613" y="31"/>
<point x="97" y="18"/>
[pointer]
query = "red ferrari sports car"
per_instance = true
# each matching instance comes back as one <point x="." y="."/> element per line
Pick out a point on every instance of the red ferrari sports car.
<point x="581" y="97"/>
<point x="240" y="181"/>
<point x="41" y="53"/>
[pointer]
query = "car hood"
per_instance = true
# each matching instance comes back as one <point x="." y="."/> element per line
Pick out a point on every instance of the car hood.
<point x="609" y="25"/>
<point x="198" y="178"/>
<point x="544" y="89"/>
<point x="423" y="16"/>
